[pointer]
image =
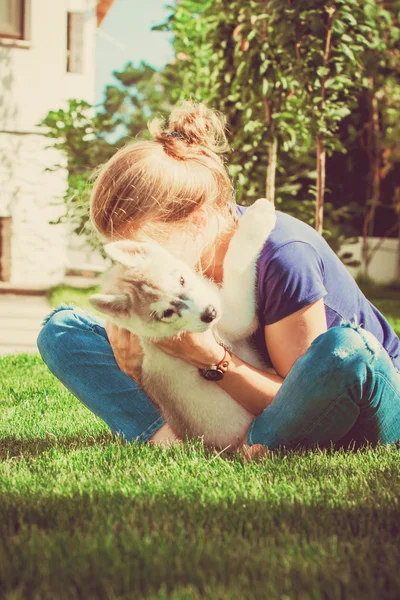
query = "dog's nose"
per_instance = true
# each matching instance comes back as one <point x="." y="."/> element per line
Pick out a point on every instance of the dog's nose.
<point x="208" y="314"/>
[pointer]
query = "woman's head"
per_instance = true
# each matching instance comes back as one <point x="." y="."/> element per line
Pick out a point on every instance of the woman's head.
<point x="170" y="189"/>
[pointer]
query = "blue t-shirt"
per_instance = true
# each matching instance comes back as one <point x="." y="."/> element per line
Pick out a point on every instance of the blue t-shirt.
<point x="296" y="268"/>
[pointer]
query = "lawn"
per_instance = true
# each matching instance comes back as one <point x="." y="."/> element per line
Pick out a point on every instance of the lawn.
<point x="85" y="516"/>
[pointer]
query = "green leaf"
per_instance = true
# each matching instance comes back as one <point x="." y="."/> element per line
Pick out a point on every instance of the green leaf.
<point x="322" y="71"/>
<point x="347" y="52"/>
<point x="349" y="18"/>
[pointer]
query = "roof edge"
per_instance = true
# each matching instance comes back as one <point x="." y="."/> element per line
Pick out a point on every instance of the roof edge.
<point x="103" y="6"/>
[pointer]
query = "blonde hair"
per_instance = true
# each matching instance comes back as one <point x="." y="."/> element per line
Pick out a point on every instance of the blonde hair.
<point x="147" y="186"/>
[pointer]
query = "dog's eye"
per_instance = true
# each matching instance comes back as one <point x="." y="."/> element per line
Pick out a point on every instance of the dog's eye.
<point x="182" y="281"/>
<point x="168" y="313"/>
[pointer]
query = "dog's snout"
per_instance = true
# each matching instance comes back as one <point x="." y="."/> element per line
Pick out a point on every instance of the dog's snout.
<point x="208" y="314"/>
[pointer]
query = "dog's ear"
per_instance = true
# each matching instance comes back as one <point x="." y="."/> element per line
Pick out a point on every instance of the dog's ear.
<point x="113" y="305"/>
<point x="128" y="253"/>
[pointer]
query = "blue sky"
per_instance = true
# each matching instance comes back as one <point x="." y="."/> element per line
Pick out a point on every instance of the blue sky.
<point x="125" y="35"/>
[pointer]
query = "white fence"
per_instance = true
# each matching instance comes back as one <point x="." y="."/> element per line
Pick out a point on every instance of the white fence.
<point x="385" y="263"/>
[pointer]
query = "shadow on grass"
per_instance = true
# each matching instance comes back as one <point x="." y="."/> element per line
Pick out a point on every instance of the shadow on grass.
<point x="31" y="448"/>
<point x="138" y="543"/>
<point x="145" y="509"/>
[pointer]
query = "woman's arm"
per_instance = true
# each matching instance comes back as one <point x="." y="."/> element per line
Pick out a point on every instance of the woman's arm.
<point x="252" y="388"/>
<point x="289" y="338"/>
<point x="286" y="341"/>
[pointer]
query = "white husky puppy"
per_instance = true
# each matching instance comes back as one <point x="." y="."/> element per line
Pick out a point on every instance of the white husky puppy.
<point x="154" y="295"/>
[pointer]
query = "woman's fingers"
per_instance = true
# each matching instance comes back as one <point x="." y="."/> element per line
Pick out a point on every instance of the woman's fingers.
<point x="124" y="338"/>
<point x="126" y="348"/>
<point x="112" y="332"/>
<point x="108" y="327"/>
<point x="135" y="344"/>
<point x="119" y="337"/>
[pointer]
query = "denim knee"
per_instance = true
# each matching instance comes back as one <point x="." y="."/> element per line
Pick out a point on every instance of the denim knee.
<point x="52" y="338"/>
<point x="348" y="348"/>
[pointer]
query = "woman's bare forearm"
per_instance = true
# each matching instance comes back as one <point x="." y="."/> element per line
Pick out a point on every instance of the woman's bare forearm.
<point x="252" y="388"/>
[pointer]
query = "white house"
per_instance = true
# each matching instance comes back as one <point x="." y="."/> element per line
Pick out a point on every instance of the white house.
<point x="47" y="55"/>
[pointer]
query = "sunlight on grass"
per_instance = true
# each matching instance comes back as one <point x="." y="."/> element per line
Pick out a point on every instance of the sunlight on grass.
<point x="387" y="301"/>
<point x="64" y="294"/>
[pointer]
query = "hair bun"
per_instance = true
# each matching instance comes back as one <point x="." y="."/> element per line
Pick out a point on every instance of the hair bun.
<point x="194" y="124"/>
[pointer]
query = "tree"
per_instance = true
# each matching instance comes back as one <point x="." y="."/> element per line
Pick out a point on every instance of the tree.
<point x="296" y="81"/>
<point x="235" y="60"/>
<point x="88" y="136"/>
<point x="330" y="40"/>
<point x="382" y="82"/>
<point x="285" y="73"/>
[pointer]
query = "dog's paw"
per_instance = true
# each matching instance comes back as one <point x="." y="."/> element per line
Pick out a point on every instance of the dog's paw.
<point x="258" y="221"/>
<point x="255" y="453"/>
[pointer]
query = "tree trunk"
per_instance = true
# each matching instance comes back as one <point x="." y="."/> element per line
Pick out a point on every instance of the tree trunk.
<point x="321" y="152"/>
<point x="376" y="180"/>
<point x="271" y="170"/>
<point x="374" y="158"/>
<point x="365" y="256"/>
<point x="398" y="255"/>
<point x="321" y="174"/>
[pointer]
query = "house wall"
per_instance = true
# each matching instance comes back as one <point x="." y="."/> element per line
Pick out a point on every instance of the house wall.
<point x="81" y="256"/>
<point x="34" y="80"/>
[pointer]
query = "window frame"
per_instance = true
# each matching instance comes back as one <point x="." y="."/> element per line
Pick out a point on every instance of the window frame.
<point x="21" y="38"/>
<point x="74" y="19"/>
<point x="5" y="248"/>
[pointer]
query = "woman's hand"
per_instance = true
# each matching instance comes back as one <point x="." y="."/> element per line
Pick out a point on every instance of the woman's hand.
<point x="127" y="350"/>
<point x="198" y="349"/>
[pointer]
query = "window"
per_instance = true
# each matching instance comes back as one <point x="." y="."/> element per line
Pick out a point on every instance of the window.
<point x="75" y="25"/>
<point x="12" y="15"/>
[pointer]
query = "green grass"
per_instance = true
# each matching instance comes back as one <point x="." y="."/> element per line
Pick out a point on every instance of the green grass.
<point x="84" y="516"/>
<point x="387" y="300"/>
<point x="63" y="293"/>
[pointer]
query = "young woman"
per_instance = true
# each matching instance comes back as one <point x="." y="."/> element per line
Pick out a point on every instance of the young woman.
<point x="337" y="358"/>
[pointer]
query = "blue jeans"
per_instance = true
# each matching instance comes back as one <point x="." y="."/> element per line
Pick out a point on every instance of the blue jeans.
<point x="344" y="389"/>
